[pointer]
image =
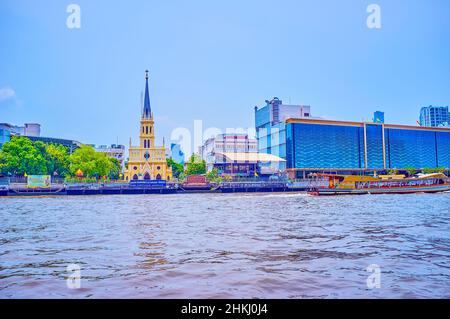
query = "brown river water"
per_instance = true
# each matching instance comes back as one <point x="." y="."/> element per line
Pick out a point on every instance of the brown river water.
<point x="226" y="246"/>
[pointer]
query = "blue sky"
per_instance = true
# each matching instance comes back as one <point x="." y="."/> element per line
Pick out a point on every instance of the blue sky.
<point x="216" y="60"/>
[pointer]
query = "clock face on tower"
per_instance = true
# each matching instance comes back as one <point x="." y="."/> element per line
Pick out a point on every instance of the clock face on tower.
<point x="146" y="156"/>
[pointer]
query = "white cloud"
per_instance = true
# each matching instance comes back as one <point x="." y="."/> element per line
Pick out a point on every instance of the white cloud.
<point x="6" y="93"/>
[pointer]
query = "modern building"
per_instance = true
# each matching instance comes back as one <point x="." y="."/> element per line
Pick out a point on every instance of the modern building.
<point x="247" y="164"/>
<point x="271" y="128"/>
<point x="5" y="134"/>
<point x="8" y="130"/>
<point x="434" y="116"/>
<point x="176" y="153"/>
<point x="70" y="144"/>
<point x="237" y="155"/>
<point x="314" y="145"/>
<point x="225" y="143"/>
<point x="33" y="132"/>
<point x="114" y="151"/>
<point x="378" y="117"/>
<point x="147" y="161"/>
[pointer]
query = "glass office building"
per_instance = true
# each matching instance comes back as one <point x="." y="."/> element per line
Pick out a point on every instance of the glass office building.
<point x="5" y="135"/>
<point x="315" y="145"/>
<point x="434" y="116"/>
<point x="271" y="126"/>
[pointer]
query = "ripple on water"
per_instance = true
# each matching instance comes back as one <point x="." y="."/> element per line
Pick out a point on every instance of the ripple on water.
<point x="225" y="246"/>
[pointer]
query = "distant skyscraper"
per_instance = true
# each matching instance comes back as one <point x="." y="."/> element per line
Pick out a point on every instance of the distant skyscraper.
<point x="378" y="117"/>
<point x="434" y="116"/>
<point x="176" y="153"/>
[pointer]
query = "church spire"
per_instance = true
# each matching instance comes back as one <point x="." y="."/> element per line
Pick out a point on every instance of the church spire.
<point x="147" y="112"/>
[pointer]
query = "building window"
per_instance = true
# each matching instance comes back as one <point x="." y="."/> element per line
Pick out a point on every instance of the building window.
<point x="146" y="130"/>
<point x="158" y="168"/>
<point x="135" y="167"/>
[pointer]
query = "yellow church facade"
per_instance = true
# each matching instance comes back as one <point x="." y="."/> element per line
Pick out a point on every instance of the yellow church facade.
<point x="147" y="161"/>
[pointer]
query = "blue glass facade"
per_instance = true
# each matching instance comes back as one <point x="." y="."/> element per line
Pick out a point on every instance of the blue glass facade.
<point x="324" y="146"/>
<point x="348" y="146"/>
<point x="271" y="136"/>
<point x="411" y="148"/>
<point x="443" y="149"/>
<point x="5" y="136"/>
<point x="375" y="159"/>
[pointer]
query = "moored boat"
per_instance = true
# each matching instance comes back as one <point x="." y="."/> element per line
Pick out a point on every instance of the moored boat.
<point x="398" y="184"/>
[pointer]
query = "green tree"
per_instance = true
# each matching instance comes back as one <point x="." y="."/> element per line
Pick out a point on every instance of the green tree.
<point x="195" y="166"/>
<point x="411" y="171"/>
<point x="213" y="176"/>
<point x="90" y="162"/>
<point x="177" y="168"/>
<point x="116" y="168"/>
<point x="393" y="171"/>
<point x="56" y="157"/>
<point x="431" y="170"/>
<point x="20" y="156"/>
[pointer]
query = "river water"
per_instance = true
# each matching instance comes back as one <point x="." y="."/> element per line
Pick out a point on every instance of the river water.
<point x="226" y="246"/>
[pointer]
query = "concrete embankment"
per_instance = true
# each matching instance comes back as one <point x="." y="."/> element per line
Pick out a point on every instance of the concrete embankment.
<point x="22" y="190"/>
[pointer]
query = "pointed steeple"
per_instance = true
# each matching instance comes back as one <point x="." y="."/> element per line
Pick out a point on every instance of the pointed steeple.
<point x="147" y="112"/>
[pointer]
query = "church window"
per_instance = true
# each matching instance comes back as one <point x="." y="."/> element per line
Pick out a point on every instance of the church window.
<point x="146" y="130"/>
